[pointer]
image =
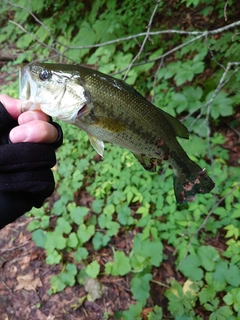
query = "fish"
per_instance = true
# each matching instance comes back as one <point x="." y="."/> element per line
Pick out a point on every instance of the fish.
<point x="108" y="109"/>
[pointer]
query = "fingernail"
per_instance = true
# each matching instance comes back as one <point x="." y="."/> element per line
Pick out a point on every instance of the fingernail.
<point x="19" y="134"/>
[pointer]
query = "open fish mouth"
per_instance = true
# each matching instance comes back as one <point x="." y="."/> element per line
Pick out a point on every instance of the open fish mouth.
<point x="82" y="111"/>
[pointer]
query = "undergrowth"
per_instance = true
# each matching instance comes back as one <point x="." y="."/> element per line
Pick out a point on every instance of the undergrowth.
<point x="198" y="82"/>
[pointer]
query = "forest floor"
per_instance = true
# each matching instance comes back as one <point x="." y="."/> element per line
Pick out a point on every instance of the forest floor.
<point x="25" y="276"/>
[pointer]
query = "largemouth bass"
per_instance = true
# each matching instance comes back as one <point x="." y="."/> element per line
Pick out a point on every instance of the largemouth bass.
<point x="110" y="110"/>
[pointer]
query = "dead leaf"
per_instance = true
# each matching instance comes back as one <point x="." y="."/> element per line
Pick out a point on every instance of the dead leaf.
<point x="93" y="287"/>
<point x="28" y="282"/>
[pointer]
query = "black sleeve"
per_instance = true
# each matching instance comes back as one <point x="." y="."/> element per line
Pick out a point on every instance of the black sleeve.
<point x="26" y="179"/>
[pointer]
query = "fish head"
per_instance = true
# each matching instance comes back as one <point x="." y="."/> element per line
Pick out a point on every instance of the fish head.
<point x="57" y="92"/>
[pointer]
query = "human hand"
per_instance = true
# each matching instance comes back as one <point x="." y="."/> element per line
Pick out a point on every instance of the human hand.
<point x="27" y="143"/>
<point x="33" y="126"/>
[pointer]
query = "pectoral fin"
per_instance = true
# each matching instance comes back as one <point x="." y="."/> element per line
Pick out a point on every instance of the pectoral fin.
<point x="97" y="144"/>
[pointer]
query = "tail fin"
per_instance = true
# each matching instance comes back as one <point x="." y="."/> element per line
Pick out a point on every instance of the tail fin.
<point x="186" y="187"/>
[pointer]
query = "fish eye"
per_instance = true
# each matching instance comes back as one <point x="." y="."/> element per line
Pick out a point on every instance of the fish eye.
<point x="45" y="75"/>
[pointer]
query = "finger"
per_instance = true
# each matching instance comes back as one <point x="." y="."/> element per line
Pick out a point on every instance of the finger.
<point x="12" y="105"/>
<point x="28" y="116"/>
<point x="34" y="131"/>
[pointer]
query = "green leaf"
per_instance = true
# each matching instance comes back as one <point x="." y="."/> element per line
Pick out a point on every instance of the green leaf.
<point x="93" y="269"/>
<point x="150" y="250"/>
<point x="63" y="226"/>
<point x="208" y="256"/>
<point x="233" y="298"/>
<point x="133" y="312"/>
<point x="221" y="105"/>
<point x="56" y="284"/>
<point x="54" y="257"/>
<point x="39" y="237"/>
<point x="97" y="205"/>
<point x="175" y="296"/>
<point x="219" y="275"/>
<point x="124" y="215"/>
<point x="156" y="314"/>
<point x="183" y="75"/>
<point x="100" y="240"/>
<point x="112" y="227"/>
<point x="45" y="222"/>
<point x="54" y="240"/>
<point x="33" y="225"/>
<point x="81" y="254"/>
<point x="72" y="240"/>
<point x="24" y="41"/>
<point x="232" y="231"/>
<point x="222" y="313"/>
<point x="78" y="214"/>
<point x="197" y="67"/>
<point x="109" y="209"/>
<point x="68" y="275"/>
<point x="225" y="273"/>
<point x="140" y="287"/>
<point x="233" y="275"/>
<point x="120" y="266"/>
<point x="103" y="219"/>
<point x="207" y="294"/>
<point x="190" y="267"/>
<point x="85" y="233"/>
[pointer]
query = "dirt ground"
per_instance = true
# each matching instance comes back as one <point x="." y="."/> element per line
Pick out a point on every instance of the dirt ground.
<point x="24" y="283"/>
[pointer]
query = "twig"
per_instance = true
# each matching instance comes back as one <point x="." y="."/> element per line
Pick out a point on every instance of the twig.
<point x="159" y="283"/>
<point x="33" y="36"/>
<point x="221" y="84"/>
<point x="141" y="34"/>
<point x="155" y="78"/>
<point x="3" y="250"/>
<point x="166" y="53"/>
<point x="144" y="41"/>
<point x="155" y="33"/>
<point x="34" y="17"/>
<point x="225" y="10"/>
<point x="6" y="285"/>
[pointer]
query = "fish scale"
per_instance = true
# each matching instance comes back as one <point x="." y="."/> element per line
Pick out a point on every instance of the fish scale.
<point x="135" y="131"/>
<point x="110" y="110"/>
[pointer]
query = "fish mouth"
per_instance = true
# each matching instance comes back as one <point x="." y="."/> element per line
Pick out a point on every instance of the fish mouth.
<point x="60" y="98"/>
<point x="82" y="111"/>
<point x="27" y="90"/>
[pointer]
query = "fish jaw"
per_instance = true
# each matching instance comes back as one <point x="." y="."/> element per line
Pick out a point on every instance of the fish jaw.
<point x="28" y="91"/>
<point x="60" y="96"/>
